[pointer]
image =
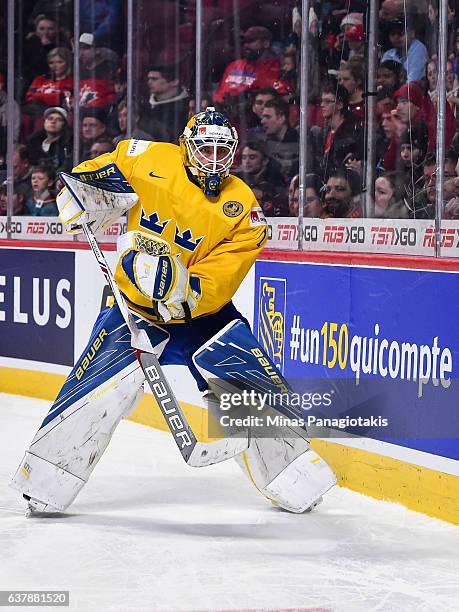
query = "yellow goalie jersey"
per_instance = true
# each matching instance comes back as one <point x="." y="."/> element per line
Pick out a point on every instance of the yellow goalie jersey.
<point x="218" y="239"/>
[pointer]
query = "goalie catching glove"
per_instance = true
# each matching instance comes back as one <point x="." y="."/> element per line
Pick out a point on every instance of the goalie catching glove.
<point x="97" y="198"/>
<point x="159" y="275"/>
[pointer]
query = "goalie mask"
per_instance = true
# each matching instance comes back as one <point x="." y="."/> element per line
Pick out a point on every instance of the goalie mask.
<point x="208" y="145"/>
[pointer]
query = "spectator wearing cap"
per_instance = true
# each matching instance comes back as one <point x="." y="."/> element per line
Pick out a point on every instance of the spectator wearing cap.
<point x="258" y="68"/>
<point x="407" y="49"/>
<point x="342" y="134"/>
<point x="338" y="43"/>
<point x="52" y="145"/>
<point x="355" y="38"/>
<point x="93" y="126"/>
<point x="97" y="62"/>
<point x="350" y="20"/>
<point x="166" y="111"/>
<point x="98" y="66"/>
<point x="42" y="201"/>
<point x="54" y="88"/>
<point x="342" y="195"/>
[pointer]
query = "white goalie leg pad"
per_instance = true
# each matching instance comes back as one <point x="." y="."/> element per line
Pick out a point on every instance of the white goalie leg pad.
<point x="301" y="483"/>
<point x="287" y="471"/>
<point x="54" y="487"/>
<point x="65" y="450"/>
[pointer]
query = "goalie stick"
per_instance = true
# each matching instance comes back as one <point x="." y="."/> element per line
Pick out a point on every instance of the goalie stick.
<point x="195" y="453"/>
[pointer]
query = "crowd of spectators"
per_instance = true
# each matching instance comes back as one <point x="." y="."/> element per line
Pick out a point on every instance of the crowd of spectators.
<point x="252" y="73"/>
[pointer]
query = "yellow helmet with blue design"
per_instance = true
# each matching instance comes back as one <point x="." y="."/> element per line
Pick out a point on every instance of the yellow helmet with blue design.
<point x="208" y="145"/>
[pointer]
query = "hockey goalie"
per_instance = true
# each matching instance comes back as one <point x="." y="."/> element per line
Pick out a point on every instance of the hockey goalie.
<point x="193" y="233"/>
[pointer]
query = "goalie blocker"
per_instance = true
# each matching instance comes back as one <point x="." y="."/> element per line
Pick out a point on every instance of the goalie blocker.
<point x="107" y="383"/>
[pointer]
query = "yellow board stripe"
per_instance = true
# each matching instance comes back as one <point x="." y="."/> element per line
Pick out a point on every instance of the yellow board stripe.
<point x="418" y="488"/>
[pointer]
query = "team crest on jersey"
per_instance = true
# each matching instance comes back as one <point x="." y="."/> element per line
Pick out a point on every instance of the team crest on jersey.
<point x="152" y="222"/>
<point x="185" y="240"/>
<point x="232" y="208"/>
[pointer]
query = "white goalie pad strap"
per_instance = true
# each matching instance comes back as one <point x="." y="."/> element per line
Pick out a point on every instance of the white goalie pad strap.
<point x="301" y="483"/>
<point x="48" y="483"/>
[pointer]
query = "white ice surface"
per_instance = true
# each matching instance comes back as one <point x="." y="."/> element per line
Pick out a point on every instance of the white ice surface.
<point x="150" y="533"/>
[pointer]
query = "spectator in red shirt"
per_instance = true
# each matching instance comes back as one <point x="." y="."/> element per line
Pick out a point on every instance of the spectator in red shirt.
<point x="54" y="88"/>
<point x="98" y="68"/>
<point x="257" y="69"/>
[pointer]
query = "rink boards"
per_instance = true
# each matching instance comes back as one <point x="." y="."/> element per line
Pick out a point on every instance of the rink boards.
<point x="314" y="316"/>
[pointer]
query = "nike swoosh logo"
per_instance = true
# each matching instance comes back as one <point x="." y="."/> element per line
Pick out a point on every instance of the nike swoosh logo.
<point x="153" y="175"/>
